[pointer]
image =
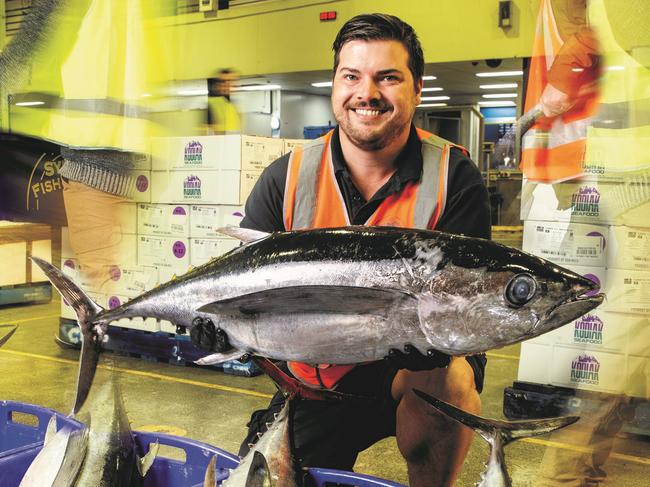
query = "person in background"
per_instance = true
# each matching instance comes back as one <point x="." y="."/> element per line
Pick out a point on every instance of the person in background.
<point x="222" y="114"/>
<point x="371" y="170"/>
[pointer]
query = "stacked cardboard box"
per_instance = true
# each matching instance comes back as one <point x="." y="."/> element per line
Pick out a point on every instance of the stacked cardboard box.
<point x="190" y="188"/>
<point x="18" y="242"/>
<point x="598" y="227"/>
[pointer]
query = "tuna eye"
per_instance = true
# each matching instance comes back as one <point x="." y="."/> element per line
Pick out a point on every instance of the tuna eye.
<point x="520" y="290"/>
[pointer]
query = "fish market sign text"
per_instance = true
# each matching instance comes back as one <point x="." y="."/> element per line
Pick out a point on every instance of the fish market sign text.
<point x="588" y="329"/>
<point x="193" y="153"/>
<point x="585" y="370"/>
<point x="586" y="201"/>
<point x="192" y="187"/>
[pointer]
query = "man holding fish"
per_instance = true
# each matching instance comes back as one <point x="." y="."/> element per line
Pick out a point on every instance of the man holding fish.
<point x="377" y="169"/>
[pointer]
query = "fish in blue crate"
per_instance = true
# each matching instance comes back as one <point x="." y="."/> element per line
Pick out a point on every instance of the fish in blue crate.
<point x="100" y="454"/>
<point x="349" y="295"/>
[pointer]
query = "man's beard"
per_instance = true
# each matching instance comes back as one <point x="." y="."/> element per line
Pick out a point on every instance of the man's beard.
<point x="375" y="140"/>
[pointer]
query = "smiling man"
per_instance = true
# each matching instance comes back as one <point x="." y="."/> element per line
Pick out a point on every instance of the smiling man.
<point x="376" y="168"/>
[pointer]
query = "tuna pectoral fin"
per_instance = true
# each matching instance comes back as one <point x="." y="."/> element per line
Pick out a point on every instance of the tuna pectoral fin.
<point x="490" y="428"/>
<point x="259" y="473"/>
<point x="312" y="299"/>
<point x="145" y="463"/>
<point x="210" y="478"/>
<point x="219" y="358"/>
<point x="245" y="235"/>
<point x="7" y="336"/>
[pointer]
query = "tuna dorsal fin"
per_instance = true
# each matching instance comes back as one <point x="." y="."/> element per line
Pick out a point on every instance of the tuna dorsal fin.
<point x="259" y="473"/>
<point x="7" y="336"/>
<point x="490" y="428"/>
<point x="246" y="235"/>
<point x="210" y="479"/>
<point x="145" y="463"/>
<point x="307" y="299"/>
<point x="51" y="430"/>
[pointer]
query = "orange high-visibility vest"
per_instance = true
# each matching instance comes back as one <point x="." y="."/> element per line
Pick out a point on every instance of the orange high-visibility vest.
<point x="312" y="199"/>
<point x="553" y="149"/>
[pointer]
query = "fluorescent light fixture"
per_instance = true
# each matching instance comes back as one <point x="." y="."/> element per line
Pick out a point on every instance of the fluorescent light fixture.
<point x="496" y="74"/>
<point x="615" y="68"/>
<point x="577" y="70"/>
<point x="192" y="92"/>
<point x="268" y="87"/>
<point x="434" y="98"/>
<point x="322" y="84"/>
<point x="428" y="78"/>
<point x="434" y="88"/>
<point x="146" y="95"/>
<point x="502" y="103"/>
<point x="500" y="95"/>
<point x="498" y="86"/>
<point x="29" y="103"/>
<point x="425" y="105"/>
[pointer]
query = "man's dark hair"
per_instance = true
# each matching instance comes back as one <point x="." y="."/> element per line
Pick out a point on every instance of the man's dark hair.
<point x="375" y="27"/>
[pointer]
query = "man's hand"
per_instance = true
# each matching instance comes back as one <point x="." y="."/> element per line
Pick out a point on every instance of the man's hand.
<point x="555" y="102"/>
<point x="412" y="359"/>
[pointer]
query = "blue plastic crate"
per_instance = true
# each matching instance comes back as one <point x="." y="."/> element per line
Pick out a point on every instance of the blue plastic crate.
<point x="20" y="443"/>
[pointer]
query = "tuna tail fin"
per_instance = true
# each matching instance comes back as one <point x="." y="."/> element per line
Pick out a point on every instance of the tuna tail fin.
<point x="86" y="310"/>
<point x="210" y="479"/>
<point x="509" y="431"/>
<point x="259" y="473"/>
<point x="7" y="336"/>
<point x="145" y="463"/>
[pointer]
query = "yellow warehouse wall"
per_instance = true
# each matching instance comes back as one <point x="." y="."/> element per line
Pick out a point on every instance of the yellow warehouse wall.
<point x="287" y="36"/>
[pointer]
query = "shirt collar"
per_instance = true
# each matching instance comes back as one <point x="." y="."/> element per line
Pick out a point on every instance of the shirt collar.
<point x="408" y="162"/>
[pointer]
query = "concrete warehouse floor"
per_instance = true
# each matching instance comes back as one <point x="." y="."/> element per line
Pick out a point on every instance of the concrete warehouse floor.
<point x="213" y="407"/>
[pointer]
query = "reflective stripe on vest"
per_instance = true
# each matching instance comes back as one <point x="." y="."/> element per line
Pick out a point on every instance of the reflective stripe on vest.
<point x="553" y="150"/>
<point x="312" y="199"/>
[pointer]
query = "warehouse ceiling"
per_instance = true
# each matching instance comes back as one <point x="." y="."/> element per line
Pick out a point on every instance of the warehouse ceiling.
<point x="458" y="81"/>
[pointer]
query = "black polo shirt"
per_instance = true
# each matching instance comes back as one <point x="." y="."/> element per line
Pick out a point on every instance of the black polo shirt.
<point x="467" y="210"/>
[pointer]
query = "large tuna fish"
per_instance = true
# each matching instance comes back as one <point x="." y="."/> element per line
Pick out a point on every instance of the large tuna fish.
<point x="349" y="295"/>
<point x="498" y="434"/>
<point x="100" y="455"/>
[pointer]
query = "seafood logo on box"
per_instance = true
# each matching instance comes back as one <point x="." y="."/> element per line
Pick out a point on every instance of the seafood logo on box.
<point x="192" y="187"/>
<point x="584" y="370"/>
<point x="588" y="329"/>
<point x="586" y="201"/>
<point x="193" y="153"/>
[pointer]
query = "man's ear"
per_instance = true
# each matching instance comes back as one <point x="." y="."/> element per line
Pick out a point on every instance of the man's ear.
<point x="418" y="93"/>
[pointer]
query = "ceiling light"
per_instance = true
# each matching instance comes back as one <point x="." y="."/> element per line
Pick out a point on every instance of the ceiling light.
<point x="500" y="95"/>
<point x="425" y="105"/>
<point x="428" y="78"/>
<point x="615" y="68"/>
<point x="192" y="92"/>
<point x="268" y="87"/>
<point x="435" y="88"/>
<point x="577" y="70"/>
<point x="29" y="103"/>
<point x="434" y="98"/>
<point x="503" y="103"/>
<point x="322" y="84"/>
<point x="496" y="74"/>
<point x="498" y="86"/>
